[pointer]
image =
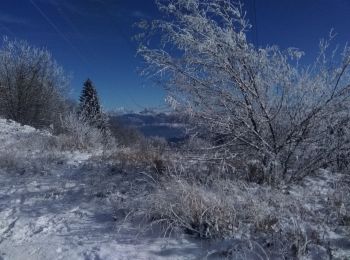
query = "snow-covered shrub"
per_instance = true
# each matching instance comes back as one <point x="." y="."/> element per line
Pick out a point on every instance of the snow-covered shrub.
<point x="340" y="138"/>
<point x="194" y="209"/>
<point x="283" y="225"/>
<point x="9" y="160"/>
<point x="180" y="206"/>
<point x="254" y="103"/>
<point x="79" y="134"/>
<point x="295" y="221"/>
<point x="339" y="203"/>
<point x="35" y="153"/>
<point x="38" y="140"/>
<point x="159" y="143"/>
<point x="142" y="155"/>
<point x="32" y="84"/>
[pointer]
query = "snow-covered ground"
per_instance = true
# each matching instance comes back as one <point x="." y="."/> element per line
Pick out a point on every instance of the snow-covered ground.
<point x="62" y="208"/>
<point x="61" y="205"/>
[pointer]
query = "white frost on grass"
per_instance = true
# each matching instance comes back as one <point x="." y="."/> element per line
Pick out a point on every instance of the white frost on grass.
<point x="61" y="204"/>
<point x="60" y="208"/>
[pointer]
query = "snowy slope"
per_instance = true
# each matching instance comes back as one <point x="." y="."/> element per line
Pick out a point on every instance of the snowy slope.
<point x="61" y="205"/>
<point x="60" y="208"/>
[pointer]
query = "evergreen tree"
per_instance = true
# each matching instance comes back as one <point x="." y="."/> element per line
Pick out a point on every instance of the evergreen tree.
<point x="90" y="109"/>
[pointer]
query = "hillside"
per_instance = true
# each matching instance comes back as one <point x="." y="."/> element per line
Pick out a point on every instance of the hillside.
<point x="60" y="204"/>
<point x="64" y="204"/>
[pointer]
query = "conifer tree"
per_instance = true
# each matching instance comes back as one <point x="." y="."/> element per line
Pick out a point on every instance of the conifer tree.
<point x="90" y="109"/>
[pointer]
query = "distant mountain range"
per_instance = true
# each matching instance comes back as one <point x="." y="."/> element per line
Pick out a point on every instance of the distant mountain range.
<point x="166" y="125"/>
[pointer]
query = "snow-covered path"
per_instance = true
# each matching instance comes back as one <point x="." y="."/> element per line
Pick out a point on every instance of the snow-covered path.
<point x="63" y="215"/>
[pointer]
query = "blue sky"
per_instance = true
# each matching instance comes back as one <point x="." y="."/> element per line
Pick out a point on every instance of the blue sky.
<point x="92" y="38"/>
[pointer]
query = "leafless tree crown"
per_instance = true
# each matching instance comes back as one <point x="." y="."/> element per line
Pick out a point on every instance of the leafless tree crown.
<point x="260" y="102"/>
<point x="31" y="84"/>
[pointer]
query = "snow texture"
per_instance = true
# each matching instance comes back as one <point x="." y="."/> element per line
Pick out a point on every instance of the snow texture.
<point x="64" y="208"/>
<point x="65" y="211"/>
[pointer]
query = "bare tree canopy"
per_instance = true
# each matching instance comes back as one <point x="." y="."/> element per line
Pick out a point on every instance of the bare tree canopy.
<point x="260" y="103"/>
<point x="32" y="85"/>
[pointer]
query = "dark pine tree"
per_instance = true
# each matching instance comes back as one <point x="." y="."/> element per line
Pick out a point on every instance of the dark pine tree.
<point x="90" y="109"/>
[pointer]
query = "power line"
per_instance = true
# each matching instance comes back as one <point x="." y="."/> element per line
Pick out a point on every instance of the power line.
<point x="74" y="28"/>
<point x="58" y="31"/>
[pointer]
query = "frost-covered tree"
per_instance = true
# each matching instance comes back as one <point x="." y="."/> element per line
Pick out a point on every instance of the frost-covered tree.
<point x="89" y="108"/>
<point x="31" y="84"/>
<point x="259" y="104"/>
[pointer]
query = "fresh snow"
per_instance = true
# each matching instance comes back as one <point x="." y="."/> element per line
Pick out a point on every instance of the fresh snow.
<point x="63" y="207"/>
<point x="64" y="211"/>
